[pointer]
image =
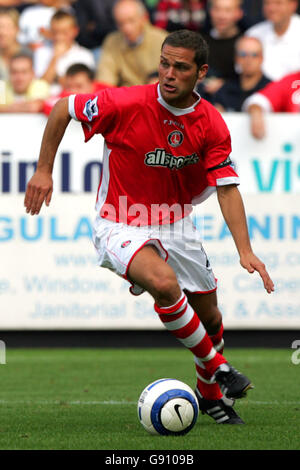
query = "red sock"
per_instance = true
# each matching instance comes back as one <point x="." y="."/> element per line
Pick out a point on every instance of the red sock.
<point x="210" y="390"/>
<point x="217" y="340"/>
<point x="181" y="320"/>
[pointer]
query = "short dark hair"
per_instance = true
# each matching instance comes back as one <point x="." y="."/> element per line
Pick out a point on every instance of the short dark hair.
<point x="62" y="15"/>
<point x="23" y="54"/>
<point x="189" y="40"/>
<point x="74" y="69"/>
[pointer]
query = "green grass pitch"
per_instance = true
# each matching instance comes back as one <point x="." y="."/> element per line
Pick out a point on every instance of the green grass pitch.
<point x="86" y="399"/>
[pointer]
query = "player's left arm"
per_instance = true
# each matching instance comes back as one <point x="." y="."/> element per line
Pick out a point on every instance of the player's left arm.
<point x="233" y="211"/>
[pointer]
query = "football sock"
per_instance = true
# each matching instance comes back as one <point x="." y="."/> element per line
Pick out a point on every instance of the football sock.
<point x="209" y="390"/>
<point x="217" y="340"/>
<point x="181" y="320"/>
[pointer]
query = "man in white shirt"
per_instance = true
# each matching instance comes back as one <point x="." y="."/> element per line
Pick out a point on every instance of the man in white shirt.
<point x="280" y="36"/>
<point x="52" y="61"/>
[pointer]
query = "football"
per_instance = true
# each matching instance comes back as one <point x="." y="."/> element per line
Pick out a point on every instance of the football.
<point x="168" y="407"/>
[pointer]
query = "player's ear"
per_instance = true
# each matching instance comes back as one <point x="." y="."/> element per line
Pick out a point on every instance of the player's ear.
<point x="202" y="71"/>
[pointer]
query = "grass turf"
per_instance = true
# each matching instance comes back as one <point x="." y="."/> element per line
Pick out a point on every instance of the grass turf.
<point x="86" y="399"/>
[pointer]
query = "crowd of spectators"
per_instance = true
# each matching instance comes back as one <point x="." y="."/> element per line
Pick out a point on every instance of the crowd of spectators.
<point x="51" y="48"/>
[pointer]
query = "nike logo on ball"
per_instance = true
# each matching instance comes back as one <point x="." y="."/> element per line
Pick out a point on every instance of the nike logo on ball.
<point x="176" y="408"/>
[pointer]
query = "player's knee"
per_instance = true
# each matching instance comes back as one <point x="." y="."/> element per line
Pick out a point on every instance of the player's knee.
<point x="165" y="290"/>
<point x="214" y="323"/>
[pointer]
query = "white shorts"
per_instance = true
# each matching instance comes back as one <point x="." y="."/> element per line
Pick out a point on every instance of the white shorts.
<point x="179" y="244"/>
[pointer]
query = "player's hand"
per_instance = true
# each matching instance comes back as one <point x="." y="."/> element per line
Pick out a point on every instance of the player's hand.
<point x="252" y="263"/>
<point x="39" y="190"/>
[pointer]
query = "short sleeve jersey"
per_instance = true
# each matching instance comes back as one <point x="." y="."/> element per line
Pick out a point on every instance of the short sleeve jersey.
<point x="158" y="160"/>
<point x="284" y="95"/>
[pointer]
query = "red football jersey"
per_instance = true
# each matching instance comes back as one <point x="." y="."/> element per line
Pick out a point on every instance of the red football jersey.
<point x="284" y="95"/>
<point x="158" y="160"/>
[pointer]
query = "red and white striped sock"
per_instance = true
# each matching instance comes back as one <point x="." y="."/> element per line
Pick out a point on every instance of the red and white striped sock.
<point x="181" y="320"/>
<point x="210" y="390"/>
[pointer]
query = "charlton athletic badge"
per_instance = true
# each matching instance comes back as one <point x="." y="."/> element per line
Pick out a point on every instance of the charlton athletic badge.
<point x="175" y="138"/>
<point x="124" y="244"/>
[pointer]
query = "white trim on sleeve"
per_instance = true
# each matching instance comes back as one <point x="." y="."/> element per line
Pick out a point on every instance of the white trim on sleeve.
<point x="71" y="105"/>
<point x="260" y="100"/>
<point x="228" y="180"/>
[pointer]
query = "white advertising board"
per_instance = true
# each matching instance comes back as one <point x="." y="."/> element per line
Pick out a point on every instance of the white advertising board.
<point x="48" y="273"/>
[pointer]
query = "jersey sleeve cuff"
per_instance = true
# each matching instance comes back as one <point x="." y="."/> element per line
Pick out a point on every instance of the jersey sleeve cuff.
<point x="227" y="180"/>
<point x="71" y="105"/>
<point x="258" y="99"/>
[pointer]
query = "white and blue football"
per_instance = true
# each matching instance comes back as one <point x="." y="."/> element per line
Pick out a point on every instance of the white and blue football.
<point x="168" y="407"/>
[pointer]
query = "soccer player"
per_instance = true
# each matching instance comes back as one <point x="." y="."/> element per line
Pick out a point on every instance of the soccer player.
<point x="164" y="148"/>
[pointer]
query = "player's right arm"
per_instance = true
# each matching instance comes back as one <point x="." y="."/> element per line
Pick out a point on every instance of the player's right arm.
<point x="40" y="186"/>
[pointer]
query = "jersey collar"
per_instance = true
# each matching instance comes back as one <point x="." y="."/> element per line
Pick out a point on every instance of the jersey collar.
<point x="173" y="109"/>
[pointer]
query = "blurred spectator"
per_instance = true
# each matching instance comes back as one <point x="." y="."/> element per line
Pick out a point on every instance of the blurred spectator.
<point x="78" y="79"/>
<point x="248" y="63"/>
<point x="52" y="61"/>
<point x="225" y="16"/>
<point x="130" y="54"/>
<point x="252" y="14"/>
<point x="16" y="3"/>
<point x="9" y="45"/>
<point x="180" y="14"/>
<point x="95" y="21"/>
<point x="23" y="93"/>
<point x="35" y="21"/>
<point x="279" y="96"/>
<point x="280" y="36"/>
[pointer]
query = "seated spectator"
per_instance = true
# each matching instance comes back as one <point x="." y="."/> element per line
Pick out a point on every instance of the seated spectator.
<point x="78" y="79"/>
<point x="9" y="45"/>
<point x="172" y="15"/>
<point x="225" y="16"/>
<point x="95" y="21"/>
<point x="248" y="63"/>
<point x="35" y="21"/>
<point x="280" y="37"/>
<point x="280" y="96"/>
<point x="130" y="54"/>
<point x="52" y="61"/>
<point x="23" y="93"/>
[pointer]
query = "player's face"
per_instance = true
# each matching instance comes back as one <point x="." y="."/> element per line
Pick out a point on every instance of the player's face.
<point x="178" y="75"/>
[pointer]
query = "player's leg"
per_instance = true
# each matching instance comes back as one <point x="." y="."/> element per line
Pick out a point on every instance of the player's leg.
<point x="211" y="399"/>
<point x="206" y="307"/>
<point x="151" y="272"/>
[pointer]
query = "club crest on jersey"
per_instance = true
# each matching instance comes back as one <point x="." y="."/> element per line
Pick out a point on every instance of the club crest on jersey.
<point x="91" y="108"/>
<point x="175" y="138"/>
<point x="124" y="244"/>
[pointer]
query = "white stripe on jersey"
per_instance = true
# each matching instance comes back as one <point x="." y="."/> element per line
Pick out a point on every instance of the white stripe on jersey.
<point x="103" y="188"/>
<point x="71" y="105"/>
